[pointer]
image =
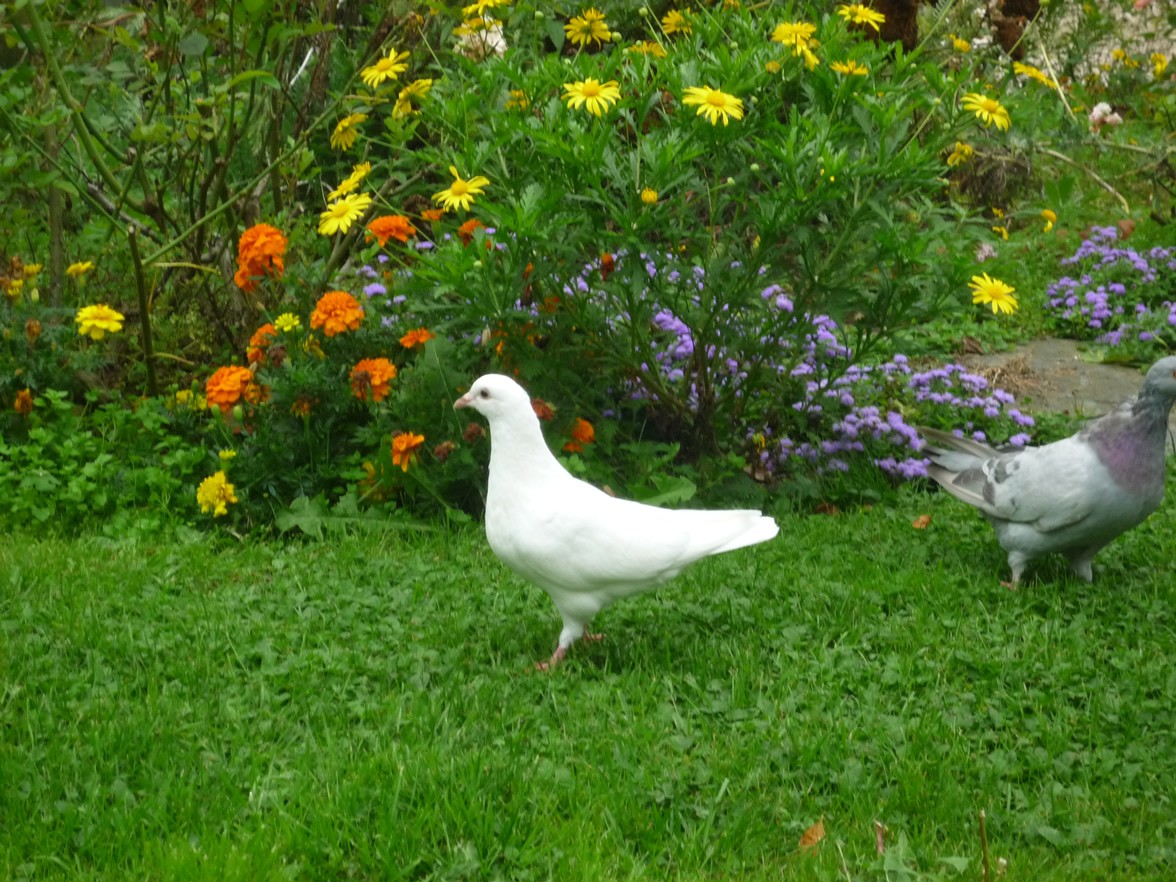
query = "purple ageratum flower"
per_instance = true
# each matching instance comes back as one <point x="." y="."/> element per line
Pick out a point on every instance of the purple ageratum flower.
<point x="374" y="288"/>
<point x="1019" y="440"/>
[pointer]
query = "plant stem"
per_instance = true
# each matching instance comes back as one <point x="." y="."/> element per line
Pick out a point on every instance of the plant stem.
<point x="144" y="314"/>
<point x="984" y="847"/>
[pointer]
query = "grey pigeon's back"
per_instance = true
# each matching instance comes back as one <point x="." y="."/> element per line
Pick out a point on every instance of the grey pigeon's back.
<point x="1075" y="495"/>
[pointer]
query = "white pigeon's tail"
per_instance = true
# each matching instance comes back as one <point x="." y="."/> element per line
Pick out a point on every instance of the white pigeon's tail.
<point x="723" y="531"/>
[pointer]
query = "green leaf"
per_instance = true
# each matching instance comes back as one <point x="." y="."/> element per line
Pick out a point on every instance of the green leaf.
<point x="193" y="43"/>
<point x="265" y="76"/>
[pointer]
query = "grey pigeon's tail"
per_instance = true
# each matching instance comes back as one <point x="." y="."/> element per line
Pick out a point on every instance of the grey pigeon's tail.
<point x="957" y="465"/>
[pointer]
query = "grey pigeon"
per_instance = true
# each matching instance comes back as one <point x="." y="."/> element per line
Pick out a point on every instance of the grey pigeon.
<point x="582" y="546"/>
<point x="1073" y="496"/>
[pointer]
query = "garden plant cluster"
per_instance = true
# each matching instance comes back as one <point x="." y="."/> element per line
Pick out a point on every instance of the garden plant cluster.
<point x="728" y="217"/>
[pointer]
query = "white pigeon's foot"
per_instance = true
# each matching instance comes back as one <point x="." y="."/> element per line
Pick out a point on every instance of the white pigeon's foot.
<point x="556" y="658"/>
<point x="1012" y="586"/>
<point x="592" y="638"/>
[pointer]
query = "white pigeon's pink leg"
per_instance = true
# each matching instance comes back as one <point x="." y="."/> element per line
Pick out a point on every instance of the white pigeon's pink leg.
<point x="592" y="638"/>
<point x="556" y="658"/>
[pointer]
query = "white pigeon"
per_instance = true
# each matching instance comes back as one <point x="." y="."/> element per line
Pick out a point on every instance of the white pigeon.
<point x="583" y="547"/>
<point x="1073" y="496"/>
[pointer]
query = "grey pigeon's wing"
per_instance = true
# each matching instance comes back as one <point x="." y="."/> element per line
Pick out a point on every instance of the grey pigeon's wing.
<point x="1049" y="487"/>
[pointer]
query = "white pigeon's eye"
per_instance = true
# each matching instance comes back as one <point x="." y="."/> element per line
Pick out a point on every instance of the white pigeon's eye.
<point x="485" y="393"/>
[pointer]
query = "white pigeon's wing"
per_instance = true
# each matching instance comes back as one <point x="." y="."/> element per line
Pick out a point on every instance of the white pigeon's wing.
<point x="578" y="538"/>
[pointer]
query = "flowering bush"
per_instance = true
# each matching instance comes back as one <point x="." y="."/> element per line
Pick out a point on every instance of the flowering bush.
<point x="1117" y="296"/>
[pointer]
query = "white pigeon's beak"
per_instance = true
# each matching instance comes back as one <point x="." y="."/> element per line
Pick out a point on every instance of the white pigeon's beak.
<point x="464" y="401"/>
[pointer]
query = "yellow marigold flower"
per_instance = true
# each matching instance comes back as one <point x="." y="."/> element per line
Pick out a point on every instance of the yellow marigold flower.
<point x="713" y="104"/>
<point x="1127" y="60"/>
<point x="850" y="67"/>
<point x="227" y="386"/>
<point x="287" y="322"/>
<point x="74" y="270"/>
<point x="372" y="376"/>
<point x="352" y="181"/>
<point x="97" y="320"/>
<point x="1159" y="64"/>
<point x="649" y="196"/>
<point x="859" y="14"/>
<point x="31" y="269"/>
<point x="336" y="312"/>
<point x="993" y="292"/>
<point x="517" y="100"/>
<point x="997" y="212"/>
<point x="1003" y="232"/>
<point x="961" y="154"/>
<point x="959" y="44"/>
<point x="595" y="96"/>
<point x="1050" y="219"/>
<point x="675" y="22"/>
<point x="404" y="448"/>
<point x="588" y="27"/>
<point x="772" y="66"/>
<point x="461" y="193"/>
<point x="226" y="456"/>
<point x="342" y="213"/>
<point x="988" y="110"/>
<point x="23" y="403"/>
<point x="794" y="33"/>
<point x="416" y="337"/>
<point x="215" y="493"/>
<point x="388" y="68"/>
<point x="261" y="251"/>
<point x="649" y="47"/>
<point x="345" y="133"/>
<point x="13" y="287"/>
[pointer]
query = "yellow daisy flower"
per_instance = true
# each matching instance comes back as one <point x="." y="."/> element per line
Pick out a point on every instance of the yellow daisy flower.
<point x="851" y="68"/>
<point x="713" y="104"/>
<point x="588" y="27"/>
<point x="352" y="181"/>
<point x="345" y="133"/>
<point x="675" y="22"/>
<point x="988" y="110"/>
<point x="959" y="44"/>
<point x="342" y="213"/>
<point x="387" y="68"/>
<point x="595" y="96"/>
<point x="961" y="154"/>
<point x="75" y="270"/>
<point x="98" y="320"/>
<point x="1050" y="219"/>
<point x="794" y="33"/>
<point x="461" y="193"/>
<point x="649" y="196"/>
<point x="287" y="322"/>
<point x="648" y="47"/>
<point x="993" y="292"/>
<point x="859" y="14"/>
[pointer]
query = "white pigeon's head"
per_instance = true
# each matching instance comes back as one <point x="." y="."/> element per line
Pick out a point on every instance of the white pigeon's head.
<point x="496" y="395"/>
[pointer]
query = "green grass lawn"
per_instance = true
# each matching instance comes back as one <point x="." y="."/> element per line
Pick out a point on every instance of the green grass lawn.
<point x="365" y="707"/>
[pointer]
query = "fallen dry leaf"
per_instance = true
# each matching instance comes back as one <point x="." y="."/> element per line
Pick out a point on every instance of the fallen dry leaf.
<point x="922" y="522"/>
<point x="1126" y="227"/>
<point x="826" y="508"/>
<point x="813" y="835"/>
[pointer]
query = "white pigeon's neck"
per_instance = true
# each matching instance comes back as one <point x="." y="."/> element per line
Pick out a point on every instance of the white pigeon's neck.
<point x="517" y="448"/>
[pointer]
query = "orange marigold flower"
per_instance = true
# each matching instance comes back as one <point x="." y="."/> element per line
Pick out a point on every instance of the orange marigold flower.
<point x="336" y="312"/>
<point x="33" y="327"/>
<point x="417" y="337"/>
<point x="227" y="385"/>
<point x="260" y="342"/>
<point x="372" y="375"/>
<point x="542" y="409"/>
<point x="607" y="264"/>
<point x="432" y="214"/>
<point x="302" y="405"/>
<point x="24" y="402"/>
<point x="582" y="433"/>
<point x="261" y="251"/>
<point x="404" y="448"/>
<point x="391" y="226"/>
<point x="255" y="393"/>
<point x="466" y="231"/>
